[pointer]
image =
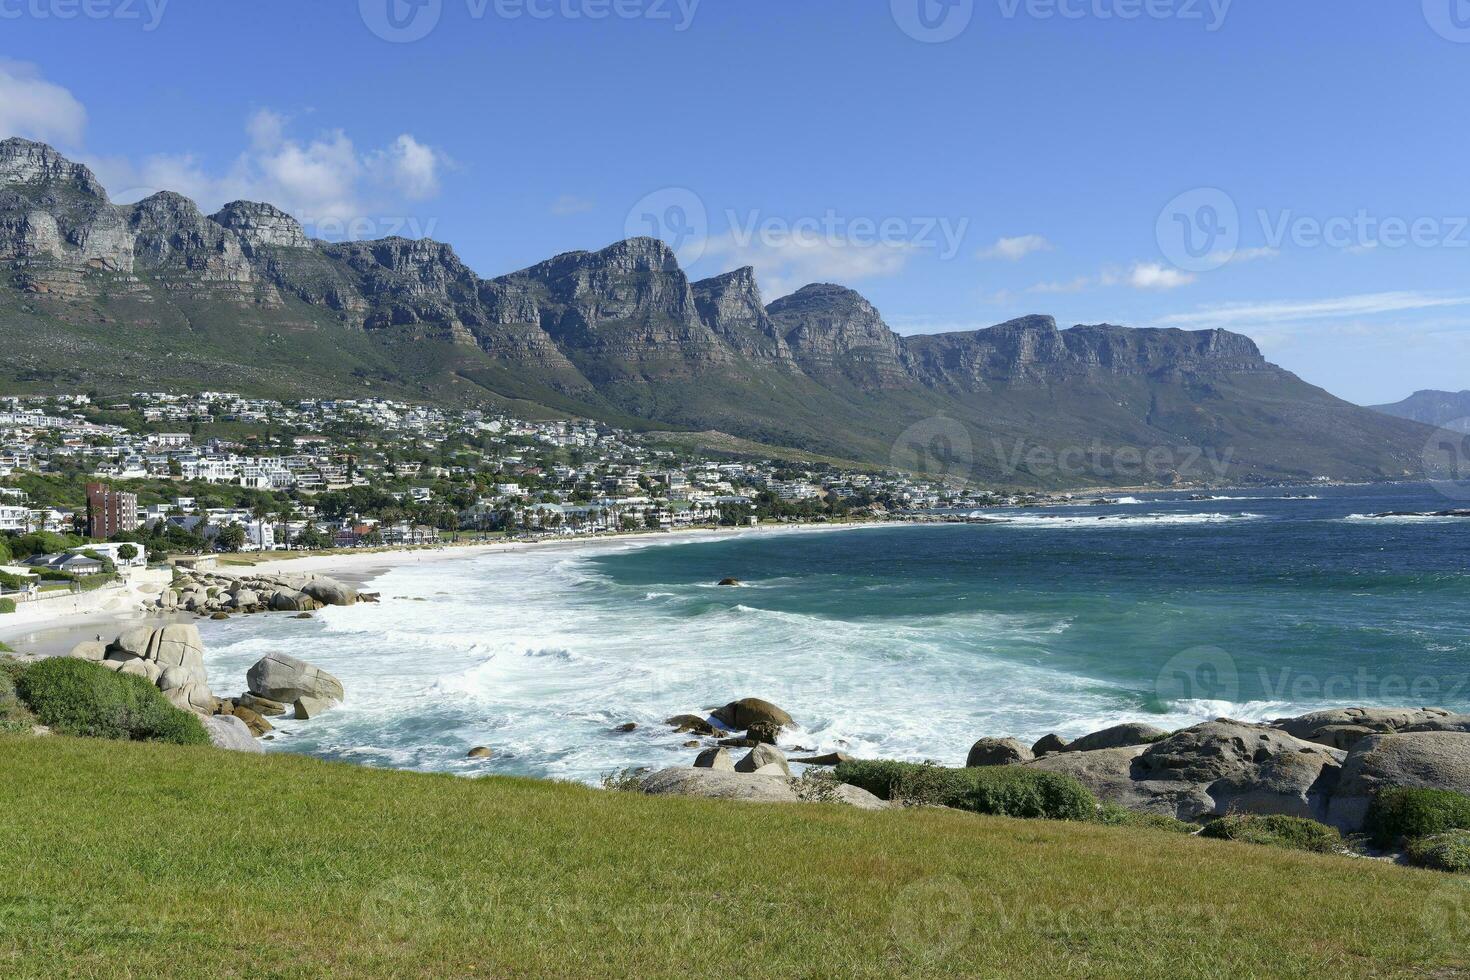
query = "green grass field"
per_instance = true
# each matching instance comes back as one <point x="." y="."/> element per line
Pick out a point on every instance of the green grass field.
<point x="141" y="860"/>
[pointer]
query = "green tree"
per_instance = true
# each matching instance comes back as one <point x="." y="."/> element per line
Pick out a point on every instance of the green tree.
<point x="231" y="537"/>
<point x="127" y="552"/>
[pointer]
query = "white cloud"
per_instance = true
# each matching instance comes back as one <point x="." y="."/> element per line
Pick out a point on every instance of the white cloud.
<point x="1143" y="275"/>
<point x="1014" y="249"/>
<point x="1243" y="255"/>
<point x="1151" y="275"/>
<point x="569" y="204"/>
<point x="786" y="263"/>
<point x="324" y="181"/>
<point x="37" y="109"/>
<point x="1368" y="304"/>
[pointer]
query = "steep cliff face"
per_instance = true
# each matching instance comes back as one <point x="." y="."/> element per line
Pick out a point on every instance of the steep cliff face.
<point x="836" y="335"/>
<point x="730" y="305"/>
<point x="625" y="313"/>
<point x="1031" y="350"/>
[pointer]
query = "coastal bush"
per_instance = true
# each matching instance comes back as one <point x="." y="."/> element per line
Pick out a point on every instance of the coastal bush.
<point x="77" y="697"/>
<point x="7" y="605"/>
<point x="1449" y="851"/>
<point x="14" y="716"/>
<point x="1275" y="830"/>
<point x="1403" y="814"/>
<point x="1003" y="791"/>
<point x="1112" y="815"/>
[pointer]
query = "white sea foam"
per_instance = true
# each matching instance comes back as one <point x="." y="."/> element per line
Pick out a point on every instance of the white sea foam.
<point x="1122" y="520"/>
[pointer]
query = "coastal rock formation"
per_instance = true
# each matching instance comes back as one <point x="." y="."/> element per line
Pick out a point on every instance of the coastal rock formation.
<point x="1418" y="760"/>
<point x="752" y="711"/>
<point x="997" y="752"/>
<point x="750" y="788"/>
<point x="213" y="593"/>
<point x="1209" y="770"/>
<point x="172" y="658"/>
<point x="229" y="732"/>
<point x="1047" y="744"/>
<point x="1117" y="737"/>
<point x="283" y="678"/>
<point x="1342" y="728"/>
<point x="716" y="758"/>
<point x="764" y="757"/>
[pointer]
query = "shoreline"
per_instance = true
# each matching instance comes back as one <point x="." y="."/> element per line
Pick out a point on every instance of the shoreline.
<point x="60" y="628"/>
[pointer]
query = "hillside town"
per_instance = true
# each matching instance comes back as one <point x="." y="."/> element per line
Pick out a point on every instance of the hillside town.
<point x="218" y="471"/>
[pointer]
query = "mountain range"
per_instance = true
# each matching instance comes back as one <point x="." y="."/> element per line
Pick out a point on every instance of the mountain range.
<point x="1442" y="409"/>
<point x="158" y="295"/>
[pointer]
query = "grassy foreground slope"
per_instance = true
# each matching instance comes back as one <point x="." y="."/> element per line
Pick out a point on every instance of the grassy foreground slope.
<point x="143" y="860"/>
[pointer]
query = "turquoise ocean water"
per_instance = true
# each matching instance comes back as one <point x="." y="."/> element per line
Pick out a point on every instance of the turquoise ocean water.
<point x="906" y="642"/>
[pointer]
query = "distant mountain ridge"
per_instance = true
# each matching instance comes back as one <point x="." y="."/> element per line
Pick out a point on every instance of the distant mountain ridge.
<point x="1442" y="409"/>
<point x="157" y="293"/>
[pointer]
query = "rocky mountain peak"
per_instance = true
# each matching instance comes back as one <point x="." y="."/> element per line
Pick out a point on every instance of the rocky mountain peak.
<point x="262" y="225"/>
<point x="835" y="331"/>
<point x="25" y="162"/>
<point x="730" y="305"/>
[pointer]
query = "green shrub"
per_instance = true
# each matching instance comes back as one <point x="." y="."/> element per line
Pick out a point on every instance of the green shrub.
<point x="1274" y="830"/>
<point x="1116" y="816"/>
<point x="7" y="605"/>
<point x="1403" y="814"/>
<point x="14" y="716"/>
<point x="1005" y="791"/>
<point x="77" y="697"/>
<point x="1449" y="851"/>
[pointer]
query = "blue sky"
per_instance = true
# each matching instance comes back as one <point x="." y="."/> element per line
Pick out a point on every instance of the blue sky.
<point x="1295" y="171"/>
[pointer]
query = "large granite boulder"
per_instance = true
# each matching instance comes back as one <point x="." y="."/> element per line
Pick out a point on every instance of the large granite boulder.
<point x="762" y="756"/>
<point x="330" y="592"/>
<point x="94" y="650"/>
<point x="1113" y="777"/>
<point x="288" y="600"/>
<point x="740" y="715"/>
<point x="283" y="678"/>
<point x="172" y="658"/>
<point x="1418" y="760"/>
<point x="1343" y="728"/>
<point x="759" y="787"/>
<point x="1209" y="770"/>
<point x="719" y="785"/>
<point x="1117" y="737"/>
<point x="997" y="752"/>
<point x="1047" y="744"/>
<point x="716" y="758"/>
<point x="229" y="732"/>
